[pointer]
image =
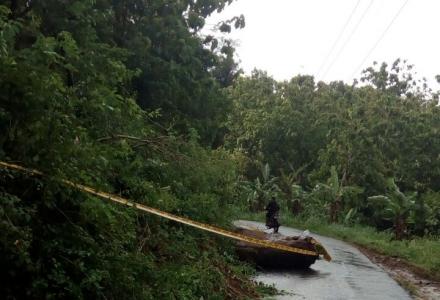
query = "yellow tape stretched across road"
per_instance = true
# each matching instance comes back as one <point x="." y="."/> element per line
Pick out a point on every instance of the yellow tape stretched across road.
<point x="206" y="227"/>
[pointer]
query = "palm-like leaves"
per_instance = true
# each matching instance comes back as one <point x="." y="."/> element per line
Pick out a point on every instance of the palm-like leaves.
<point x="394" y="206"/>
<point x="335" y="192"/>
<point x="294" y="192"/>
<point x="260" y="190"/>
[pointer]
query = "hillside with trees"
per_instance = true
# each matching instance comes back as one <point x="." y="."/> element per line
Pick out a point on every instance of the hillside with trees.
<point x="333" y="148"/>
<point x="129" y="97"/>
<point x="126" y="97"/>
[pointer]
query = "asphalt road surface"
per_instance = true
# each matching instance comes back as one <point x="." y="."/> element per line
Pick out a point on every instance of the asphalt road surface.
<point x="350" y="275"/>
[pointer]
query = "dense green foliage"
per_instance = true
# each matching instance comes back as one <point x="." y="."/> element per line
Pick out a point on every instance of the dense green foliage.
<point x="331" y="146"/>
<point x="118" y="95"/>
<point x="130" y="97"/>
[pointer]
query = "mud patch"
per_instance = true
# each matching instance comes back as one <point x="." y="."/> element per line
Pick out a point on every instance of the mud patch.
<point x="417" y="281"/>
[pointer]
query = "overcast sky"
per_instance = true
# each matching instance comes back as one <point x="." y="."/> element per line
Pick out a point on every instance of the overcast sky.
<point x="290" y="37"/>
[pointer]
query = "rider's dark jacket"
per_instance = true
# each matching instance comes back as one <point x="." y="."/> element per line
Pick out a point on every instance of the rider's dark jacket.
<point x="272" y="208"/>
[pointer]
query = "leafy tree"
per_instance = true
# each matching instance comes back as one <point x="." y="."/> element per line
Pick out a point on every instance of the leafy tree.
<point x="394" y="206"/>
<point x="426" y="214"/>
<point x="386" y="127"/>
<point x="261" y="190"/>
<point x="293" y="192"/>
<point x="73" y="76"/>
<point x="334" y="192"/>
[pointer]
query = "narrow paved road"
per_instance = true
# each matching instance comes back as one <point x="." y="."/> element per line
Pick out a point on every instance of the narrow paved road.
<point x="350" y="275"/>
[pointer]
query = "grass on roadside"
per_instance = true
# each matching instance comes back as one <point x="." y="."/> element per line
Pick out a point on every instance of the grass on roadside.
<point x="421" y="252"/>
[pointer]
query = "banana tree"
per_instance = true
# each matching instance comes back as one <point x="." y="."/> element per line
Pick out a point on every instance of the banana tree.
<point x="335" y="191"/>
<point x="395" y="206"/>
<point x="293" y="192"/>
<point x="260" y="190"/>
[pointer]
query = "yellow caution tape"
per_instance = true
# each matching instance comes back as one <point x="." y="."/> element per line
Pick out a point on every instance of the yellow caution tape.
<point x="206" y="227"/>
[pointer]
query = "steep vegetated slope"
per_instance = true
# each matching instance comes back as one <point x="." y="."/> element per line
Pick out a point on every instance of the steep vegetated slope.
<point x="127" y="97"/>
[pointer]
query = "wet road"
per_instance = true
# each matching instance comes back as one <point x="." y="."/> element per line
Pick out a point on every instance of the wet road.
<point x="350" y="275"/>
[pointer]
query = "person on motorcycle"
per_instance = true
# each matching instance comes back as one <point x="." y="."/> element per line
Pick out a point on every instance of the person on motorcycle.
<point x="272" y="210"/>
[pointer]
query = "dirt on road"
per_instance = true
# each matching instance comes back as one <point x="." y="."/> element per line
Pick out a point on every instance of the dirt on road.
<point x="417" y="281"/>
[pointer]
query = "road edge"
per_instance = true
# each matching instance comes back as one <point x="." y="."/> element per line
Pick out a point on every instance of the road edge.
<point x="419" y="283"/>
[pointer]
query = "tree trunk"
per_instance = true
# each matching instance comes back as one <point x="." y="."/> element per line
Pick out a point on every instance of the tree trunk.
<point x="335" y="208"/>
<point x="399" y="227"/>
<point x="296" y="207"/>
